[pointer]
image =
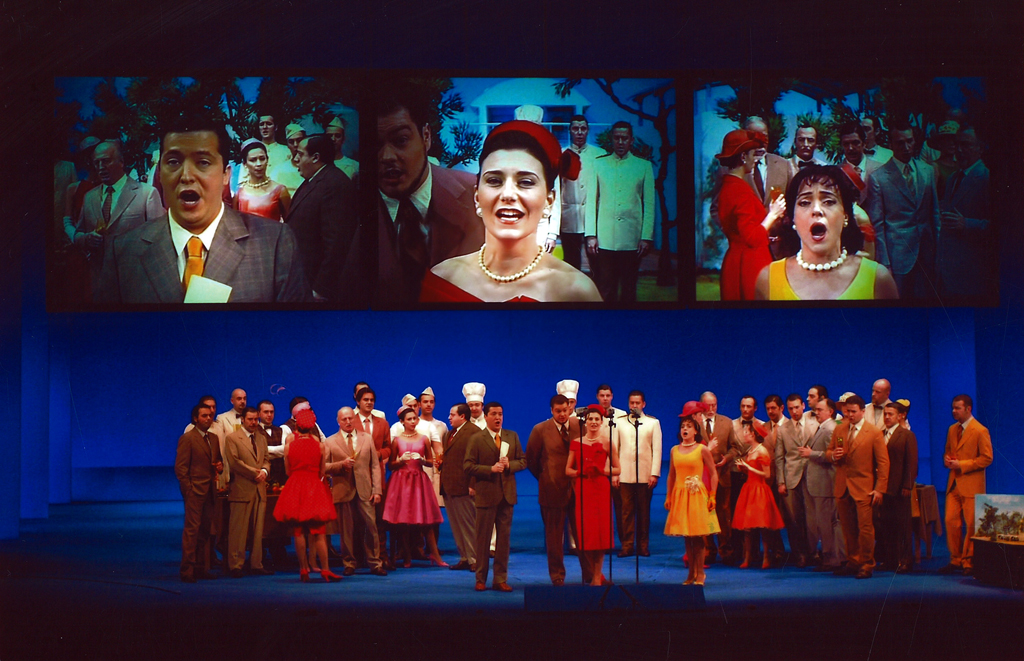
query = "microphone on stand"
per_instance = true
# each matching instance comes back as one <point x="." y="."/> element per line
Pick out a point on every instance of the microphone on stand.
<point x="636" y="413"/>
<point x="581" y="411"/>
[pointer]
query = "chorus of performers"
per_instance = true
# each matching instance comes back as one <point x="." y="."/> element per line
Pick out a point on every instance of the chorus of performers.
<point x="837" y="475"/>
<point x="912" y="222"/>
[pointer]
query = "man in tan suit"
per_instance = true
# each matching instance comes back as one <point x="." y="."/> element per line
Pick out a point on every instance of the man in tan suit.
<point x="378" y="429"/>
<point x="718" y="433"/>
<point x="246" y="452"/>
<point x="862" y="475"/>
<point x="968" y="452"/>
<point x="196" y="466"/>
<point x="356" y="488"/>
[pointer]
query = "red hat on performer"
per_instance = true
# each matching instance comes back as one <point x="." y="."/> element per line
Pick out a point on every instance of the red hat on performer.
<point x="600" y="409"/>
<point x="305" y="420"/>
<point x="566" y="164"/>
<point x="692" y="407"/>
<point x="741" y="140"/>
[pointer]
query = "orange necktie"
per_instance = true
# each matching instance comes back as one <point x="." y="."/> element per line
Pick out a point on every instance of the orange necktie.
<point x="194" y="263"/>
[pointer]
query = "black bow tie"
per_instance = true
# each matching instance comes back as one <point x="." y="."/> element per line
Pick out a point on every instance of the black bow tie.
<point x="803" y="164"/>
<point x="869" y="152"/>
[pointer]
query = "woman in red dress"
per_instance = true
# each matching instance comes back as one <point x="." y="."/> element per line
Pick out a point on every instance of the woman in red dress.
<point x="592" y="461"/>
<point x="411" y="500"/>
<point x="304" y="501"/>
<point x="742" y="216"/>
<point x="519" y="165"/>
<point x="755" y="507"/>
<point x="259" y="194"/>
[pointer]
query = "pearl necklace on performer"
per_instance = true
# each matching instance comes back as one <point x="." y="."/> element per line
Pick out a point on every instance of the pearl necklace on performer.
<point x="515" y="276"/>
<point x="412" y="435"/>
<point x="688" y="445"/>
<point x="834" y="264"/>
<point x="262" y="184"/>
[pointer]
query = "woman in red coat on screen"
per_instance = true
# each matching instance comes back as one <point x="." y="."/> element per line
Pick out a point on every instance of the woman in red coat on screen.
<point x="742" y="216"/>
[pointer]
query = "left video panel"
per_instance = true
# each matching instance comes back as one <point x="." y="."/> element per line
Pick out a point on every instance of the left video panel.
<point x="213" y="190"/>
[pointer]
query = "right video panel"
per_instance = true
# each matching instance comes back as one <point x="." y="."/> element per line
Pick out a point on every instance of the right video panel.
<point x="822" y="189"/>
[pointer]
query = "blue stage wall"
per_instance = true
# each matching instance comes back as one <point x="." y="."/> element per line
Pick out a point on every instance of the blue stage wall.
<point x="134" y="378"/>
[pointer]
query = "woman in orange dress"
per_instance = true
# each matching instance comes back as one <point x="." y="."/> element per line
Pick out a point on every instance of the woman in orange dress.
<point x="259" y="194"/>
<point x="592" y="460"/>
<point x="755" y="508"/>
<point x="304" y="501"/>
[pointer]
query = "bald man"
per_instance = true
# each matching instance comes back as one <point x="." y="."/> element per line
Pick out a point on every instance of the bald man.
<point x="874" y="411"/>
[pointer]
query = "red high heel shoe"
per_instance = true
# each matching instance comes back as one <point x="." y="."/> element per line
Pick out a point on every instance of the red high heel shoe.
<point x="304" y="575"/>
<point x="438" y="562"/>
<point x="329" y="576"/>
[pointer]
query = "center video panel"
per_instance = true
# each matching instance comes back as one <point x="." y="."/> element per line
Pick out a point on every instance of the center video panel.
<point x="526" y="191"/>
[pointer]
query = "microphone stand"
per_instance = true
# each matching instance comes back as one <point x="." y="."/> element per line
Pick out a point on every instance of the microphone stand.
<point x="581" y="415"/>
<point x="636" y="510"/>
<point x="611" y="502"/>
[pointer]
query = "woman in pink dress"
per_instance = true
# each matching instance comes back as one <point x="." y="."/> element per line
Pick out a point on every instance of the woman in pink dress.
<point x="755" y="508"/>
<point x="305" y="502"/>
<point x="259" y="194"/>
<point x="592" y="461"/>
<point x="411" y="500"/>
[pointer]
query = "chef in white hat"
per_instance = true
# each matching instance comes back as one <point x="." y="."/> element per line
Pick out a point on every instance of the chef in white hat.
<point x="474" y="393"/>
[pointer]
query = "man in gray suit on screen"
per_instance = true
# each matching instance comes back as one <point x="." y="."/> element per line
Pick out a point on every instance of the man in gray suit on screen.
<point x="255" y="258"/>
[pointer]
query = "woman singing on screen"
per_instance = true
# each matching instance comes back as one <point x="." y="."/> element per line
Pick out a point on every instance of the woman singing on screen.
<point x="519" y="165"/>
<point x="820" y="218"/>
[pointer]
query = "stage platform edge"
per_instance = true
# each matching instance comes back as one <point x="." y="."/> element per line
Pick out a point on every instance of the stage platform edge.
<point x="585" y="598"/>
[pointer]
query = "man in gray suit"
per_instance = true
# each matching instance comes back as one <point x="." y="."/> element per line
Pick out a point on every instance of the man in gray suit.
<point x="353" y="464"/>
<point x="154" y="263"/>
<point x="791" y="470"/>
<point x="966" y="255"/>
<point x="493" y="457"/>
<point x="903" y="205"/>
<point x="822" y="522"/>
<point x="118" y="205"/>
<point x="246" y="452"/>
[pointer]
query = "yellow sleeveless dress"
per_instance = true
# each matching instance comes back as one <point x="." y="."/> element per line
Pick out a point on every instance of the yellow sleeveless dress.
<point x="688" y="514"/>
<point x="862" y="288"/>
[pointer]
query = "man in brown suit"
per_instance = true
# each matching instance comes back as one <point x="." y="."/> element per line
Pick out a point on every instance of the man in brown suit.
<point x="196" y="466"/>
<point x="356" y="488"/>
<point x="547" y="452"/>
<point x="246" y="452"/>
<point x="493" y="457"/>
<point x="895" y="513"/>
<point x="862" y="475"/>
<point x="719" y="435"/>
<point x="379" y="430"/>
<point x="968" y="452"/>
<point x="457" y="487"/>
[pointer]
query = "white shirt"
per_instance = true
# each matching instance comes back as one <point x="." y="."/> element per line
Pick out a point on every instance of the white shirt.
<point x="180" y="237"/>
<point x="480" y="422"/>
<point x="880" y="154"/>
<point x="420" y="199"/>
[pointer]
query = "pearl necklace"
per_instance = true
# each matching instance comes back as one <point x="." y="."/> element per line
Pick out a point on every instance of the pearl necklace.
<point x="262" y="184"/>
<point x="688" y="445"/>
<point x="834" y="264"/>
<point x="515" y="276"/>
<point x="408" y="435"/>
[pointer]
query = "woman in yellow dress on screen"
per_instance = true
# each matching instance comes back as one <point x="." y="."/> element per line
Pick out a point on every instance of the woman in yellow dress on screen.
<point x="690" y="504"/>
<point x="823" y="232"/>
<point x="519" y="165"/>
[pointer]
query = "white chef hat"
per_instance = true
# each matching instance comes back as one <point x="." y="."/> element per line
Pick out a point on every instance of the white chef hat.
<point x="568" y="388"/>
<point x="530" y="113"/>
<point x="474" y="392"/>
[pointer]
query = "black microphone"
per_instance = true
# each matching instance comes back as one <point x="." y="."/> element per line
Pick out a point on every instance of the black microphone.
<point x="636" y="413"/>
<point x="581" y="411"/>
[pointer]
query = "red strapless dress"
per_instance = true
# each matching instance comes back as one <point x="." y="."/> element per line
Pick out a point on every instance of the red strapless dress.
<point x="304" y="500"/>
<point x="438" y="290"/>
<point x="755" y="508"/>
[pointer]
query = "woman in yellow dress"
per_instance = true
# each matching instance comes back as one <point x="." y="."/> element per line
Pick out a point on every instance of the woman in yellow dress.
<point x="691" y="505"/>
<point x="822" y="230"/>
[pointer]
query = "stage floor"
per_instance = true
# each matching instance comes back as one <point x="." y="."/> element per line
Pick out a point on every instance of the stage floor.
<point x="102" y="580"/>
